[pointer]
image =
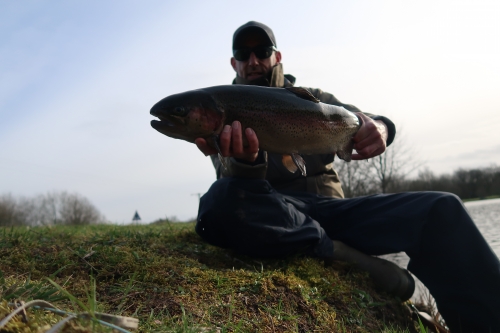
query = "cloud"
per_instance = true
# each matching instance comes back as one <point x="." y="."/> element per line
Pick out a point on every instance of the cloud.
<point x="479" y="158"/>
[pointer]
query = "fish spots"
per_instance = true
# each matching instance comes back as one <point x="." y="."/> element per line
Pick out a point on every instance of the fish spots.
<point x="284" y="123"/>
<point x="203" y="121"/>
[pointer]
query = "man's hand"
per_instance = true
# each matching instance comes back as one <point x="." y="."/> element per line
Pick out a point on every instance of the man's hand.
<point x="231" y="143"/>
<point x="371" y="138"/>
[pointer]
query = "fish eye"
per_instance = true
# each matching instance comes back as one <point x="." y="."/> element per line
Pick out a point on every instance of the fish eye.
<point x="179" y="110"/>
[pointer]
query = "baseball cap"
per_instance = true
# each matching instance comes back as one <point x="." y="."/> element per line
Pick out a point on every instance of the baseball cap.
<point x="253" y="26"/>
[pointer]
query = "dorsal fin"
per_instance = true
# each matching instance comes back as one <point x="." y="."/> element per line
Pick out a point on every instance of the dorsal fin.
<point x="303" y="93"/>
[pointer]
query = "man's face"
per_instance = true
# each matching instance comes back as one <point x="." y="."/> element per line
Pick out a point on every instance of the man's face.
<point x="254" y="68"/>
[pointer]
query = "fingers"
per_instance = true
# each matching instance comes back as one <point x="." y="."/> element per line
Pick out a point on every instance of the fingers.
<point x="231" y="143"/>
<point x="204" y="147"/>
<point x="253" y="141"/>
<point x="237" y="139"/>
<point x="370" y="140"/>
<point x="370" y="146"/>
<point x="239" y="150"/>
<point x="225" y="141"/>
<point x="365" y="155"/>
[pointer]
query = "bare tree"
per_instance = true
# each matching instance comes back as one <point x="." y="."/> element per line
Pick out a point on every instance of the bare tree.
<point x="77" y="210"/>
<point x="381" y="174"/>
<point x="394" y="165"/>
<point x="8" y="211"/>
<point x="356" y="178"/>
<point x="48" y="209"/>
<point x="15" y="211"/>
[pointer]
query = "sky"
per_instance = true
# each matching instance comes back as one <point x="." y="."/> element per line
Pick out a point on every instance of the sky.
<point x="78" y="78"/>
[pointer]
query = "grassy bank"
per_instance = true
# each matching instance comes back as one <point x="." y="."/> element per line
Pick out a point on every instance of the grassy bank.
<point x="168" y="278"/>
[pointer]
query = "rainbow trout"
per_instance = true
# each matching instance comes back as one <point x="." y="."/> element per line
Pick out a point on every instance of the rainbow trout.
<point x="288" y="121"/>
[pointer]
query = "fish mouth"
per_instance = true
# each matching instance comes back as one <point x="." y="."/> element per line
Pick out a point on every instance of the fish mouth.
<point x="173" y="126"/>
<point x="164" y="122"/>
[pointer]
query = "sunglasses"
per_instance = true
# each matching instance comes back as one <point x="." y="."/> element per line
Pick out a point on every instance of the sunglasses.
<point x="261" y="52"/>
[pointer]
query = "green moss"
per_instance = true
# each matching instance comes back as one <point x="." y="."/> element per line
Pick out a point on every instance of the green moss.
<point x="166" y="276"/>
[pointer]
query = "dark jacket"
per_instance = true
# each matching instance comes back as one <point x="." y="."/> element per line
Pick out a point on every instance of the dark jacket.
<point x="321" y="177"/>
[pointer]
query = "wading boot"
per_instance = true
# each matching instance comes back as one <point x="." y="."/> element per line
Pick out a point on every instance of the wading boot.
<point x="388" y="276"/>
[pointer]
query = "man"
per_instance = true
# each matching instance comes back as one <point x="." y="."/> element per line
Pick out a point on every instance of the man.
<point x="258" y="208"/>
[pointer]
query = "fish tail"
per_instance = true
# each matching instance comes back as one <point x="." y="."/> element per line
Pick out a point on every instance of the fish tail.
<point x="346" y="152"/>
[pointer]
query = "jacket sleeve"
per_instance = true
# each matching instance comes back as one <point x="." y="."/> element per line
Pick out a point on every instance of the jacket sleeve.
<point x="241" y="169"/>
<point x="330" y="99"/>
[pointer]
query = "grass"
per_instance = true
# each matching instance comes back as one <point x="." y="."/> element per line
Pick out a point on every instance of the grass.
<point x="167" y="277"/>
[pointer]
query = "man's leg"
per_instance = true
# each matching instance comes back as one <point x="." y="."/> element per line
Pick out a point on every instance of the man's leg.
<point x="448" y="253"/>
<point x="252" y="218"/>
<point x="249" y="216"/>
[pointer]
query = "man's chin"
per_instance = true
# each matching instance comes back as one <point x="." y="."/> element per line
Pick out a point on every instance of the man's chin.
<point x="253" y="77"/>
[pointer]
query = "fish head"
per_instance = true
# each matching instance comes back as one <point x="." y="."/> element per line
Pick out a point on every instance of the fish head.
<point x="187" y="116"/>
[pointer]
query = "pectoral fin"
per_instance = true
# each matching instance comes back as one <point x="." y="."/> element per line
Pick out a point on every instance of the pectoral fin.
<point x="214" y="140"/>
<point x="288" y="163"/>
<point x="294" y="162"/>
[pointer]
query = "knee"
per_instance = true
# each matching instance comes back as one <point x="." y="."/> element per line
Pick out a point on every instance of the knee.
<point x="449" y="211"/>
<point x="229" y="204"/>
<point x="447" y="201"/>
<point x="208" y="226"/>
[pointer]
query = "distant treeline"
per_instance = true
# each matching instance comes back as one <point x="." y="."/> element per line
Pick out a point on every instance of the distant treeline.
<point x="383" y="174"/>
<point x="466" y="183"/>
<point x="58" y="208"/>
<point x="360" y="178"/>
<point x="390" y="173"/>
